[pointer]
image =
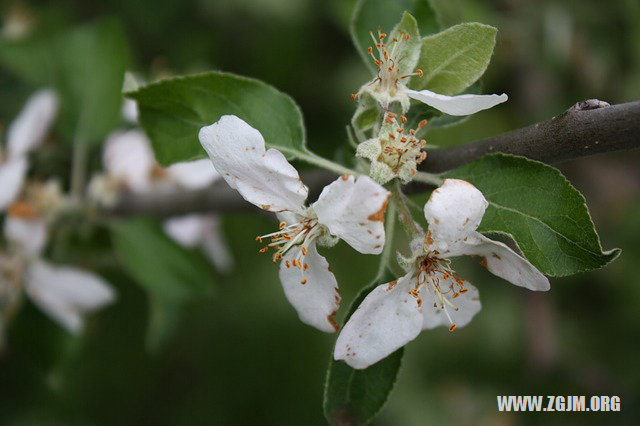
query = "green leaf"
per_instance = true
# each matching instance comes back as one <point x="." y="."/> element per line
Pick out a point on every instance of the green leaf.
<point x="408" y="50"/>
<point x="164" y="319"/>
<point x="369" y="15"/>
<point x="170" y="274"/>
<point x="90" y="62"/>
<point x="31" y="59"/>
<point x="367" y="114"/>
<point x="354" y="397"/>
<point x="535" y="204"/>
<point x="454" y="59"/>
<point x="448" y="12"/>
<point x="172" y="112"/>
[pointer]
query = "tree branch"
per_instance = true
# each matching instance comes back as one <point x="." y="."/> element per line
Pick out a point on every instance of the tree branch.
<point x="589" y="127"/>
<point x="219" y="198"/>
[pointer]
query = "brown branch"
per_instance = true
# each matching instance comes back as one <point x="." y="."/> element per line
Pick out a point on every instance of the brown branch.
<point x="589" y="127"/>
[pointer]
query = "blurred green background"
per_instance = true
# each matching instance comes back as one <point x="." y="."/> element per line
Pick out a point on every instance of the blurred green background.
<point x="238" y="354"/>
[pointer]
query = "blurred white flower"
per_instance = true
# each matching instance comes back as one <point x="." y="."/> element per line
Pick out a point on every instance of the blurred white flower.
<point x="129" y="164"/>
<point x="431" y="294"/>
<point x="25" y="133"/>
<point x="66" y="294"/>
<point x="396" y="67"/>
<point x="349" y="209"/>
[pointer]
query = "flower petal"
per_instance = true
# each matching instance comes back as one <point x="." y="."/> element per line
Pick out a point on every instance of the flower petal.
<point x="29" y="235"/>
<point x="453" y="211"/>
<point x="215" y="246"/>
<point x="314" y="292"/>
<point x="193" y="174"/>
<point x="128" y="157"/>
<point x="130" y="111"/>
<point x="12" y="174"/>
<point x="185" y="230"/>
<point x="468" y="305"/>
<point x="353" y="210"/>
<point x="28" y="130"/>
<point x="66" y="294"/>
<point x="387" y="319"/>
<point x="500" y="260"/>
<point x="457" y="105"/>
<point x="265" y="179"/>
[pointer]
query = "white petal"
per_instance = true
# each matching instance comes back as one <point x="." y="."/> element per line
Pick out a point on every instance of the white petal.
<point x="185" y="230"/>
<point x="193" y="174"/>
<point x="505" y="263"/>
<point x="289" y="218"/>
<point x="317" y="300"/>
<point x="66" y="294"/>
<point x="354" y="211"/>
<point x="28" y="130"/>
<point x="29" y="235"/>
<point x="457" y="105"/>
<point x="453" y="211"/>
<point x="387" y="319"/>
<point x="265" y="179"/>
<point x="468" y="305"/>
<point x="129" y="158"/>
<point x="130" y="111"/>
<point x="12" y="174"/>
<point x="215" y="246"/>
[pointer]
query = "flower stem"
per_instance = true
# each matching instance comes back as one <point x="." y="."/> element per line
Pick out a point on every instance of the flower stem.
<point x="404" y="214"/>
<point x="428" y="178"/>
<point x="319" y="161"/>
<point x="78" y="169"/>
<point x="389" y="231"/>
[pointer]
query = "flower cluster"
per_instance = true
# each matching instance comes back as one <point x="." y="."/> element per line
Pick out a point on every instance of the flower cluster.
<point x="66" y="294"/>
<point x="351" y="208"/>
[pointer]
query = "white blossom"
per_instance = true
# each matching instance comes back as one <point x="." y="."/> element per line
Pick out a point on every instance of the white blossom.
<point x="24" y="134"/>
<point x="66" y="294"/>
<point x="396" y="68"/>
<point x="130" y="164"/>
<point x="431" y="294"/>
<point x="395" y="151"/>
<point x="349" y="209"/>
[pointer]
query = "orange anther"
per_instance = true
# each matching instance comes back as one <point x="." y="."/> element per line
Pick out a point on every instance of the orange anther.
<point x="422" y="123"/>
